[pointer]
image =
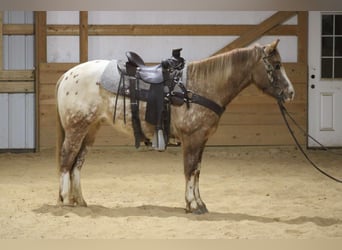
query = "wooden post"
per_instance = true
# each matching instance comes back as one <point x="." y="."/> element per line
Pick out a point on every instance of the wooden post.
<point x="40" y="57"/>
<point x="302" y="34"/>
<point x="83" y="36"/>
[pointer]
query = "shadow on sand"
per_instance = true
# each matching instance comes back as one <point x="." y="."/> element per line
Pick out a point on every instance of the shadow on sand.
<point x="165" y="212"/>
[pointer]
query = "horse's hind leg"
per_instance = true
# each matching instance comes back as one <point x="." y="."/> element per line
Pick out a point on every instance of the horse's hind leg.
<point x="76" y="191"/>
<point x="75" y="178"/>
<point x="72" y="153"/>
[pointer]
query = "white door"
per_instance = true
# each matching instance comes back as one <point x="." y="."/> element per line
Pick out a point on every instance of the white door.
<point x="325" y="78"/>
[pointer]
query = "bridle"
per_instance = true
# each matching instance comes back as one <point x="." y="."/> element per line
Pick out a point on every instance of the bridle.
<point x="271" y="75"/>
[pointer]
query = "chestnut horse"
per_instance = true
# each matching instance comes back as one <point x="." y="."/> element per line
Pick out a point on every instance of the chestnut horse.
<point x="82" y="105"/>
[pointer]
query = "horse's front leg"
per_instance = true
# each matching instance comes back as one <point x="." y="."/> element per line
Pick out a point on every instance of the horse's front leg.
<point x="192" y="167"/>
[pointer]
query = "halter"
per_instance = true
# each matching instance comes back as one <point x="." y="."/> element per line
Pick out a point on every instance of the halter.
<point x="271" y="73"/>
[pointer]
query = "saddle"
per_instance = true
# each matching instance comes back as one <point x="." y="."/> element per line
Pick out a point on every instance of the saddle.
<point x="162" y="79"/>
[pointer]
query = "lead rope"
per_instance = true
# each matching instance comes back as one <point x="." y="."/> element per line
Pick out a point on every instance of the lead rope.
<point x="284" y="112"/>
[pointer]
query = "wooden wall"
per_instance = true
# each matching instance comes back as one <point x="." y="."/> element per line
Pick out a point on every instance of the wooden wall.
<point x="251" y="119"/>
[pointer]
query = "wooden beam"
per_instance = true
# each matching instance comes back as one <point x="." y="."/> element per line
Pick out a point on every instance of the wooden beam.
<point x="18" y="29"/>
<point x="165" y="30"/>
<point x="259" y="30"/>
<point x="16" y="75"/>
<point x="17" y="87"/>
<point x="62" y="30"/>
<point x="83" y="36"/>
<point x="178" y="30"/>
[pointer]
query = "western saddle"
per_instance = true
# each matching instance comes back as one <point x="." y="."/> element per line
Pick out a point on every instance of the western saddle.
<point x="162" y="79"/>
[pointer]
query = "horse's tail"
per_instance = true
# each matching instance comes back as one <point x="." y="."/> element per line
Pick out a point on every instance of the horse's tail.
<point x="60" y="134"/>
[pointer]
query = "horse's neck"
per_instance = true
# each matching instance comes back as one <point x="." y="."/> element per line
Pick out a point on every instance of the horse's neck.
<point x="224" y="76"/>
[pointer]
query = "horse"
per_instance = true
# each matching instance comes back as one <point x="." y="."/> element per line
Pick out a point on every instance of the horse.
<point x="82" y="105"/>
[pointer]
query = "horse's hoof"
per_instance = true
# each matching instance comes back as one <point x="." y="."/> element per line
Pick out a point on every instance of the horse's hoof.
<point x="199" y="210"/>
<point x="82" y="204"/>
<point x="61" y="203"/>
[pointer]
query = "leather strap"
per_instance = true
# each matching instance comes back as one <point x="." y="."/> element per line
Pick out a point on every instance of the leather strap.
<point x="194" y="98"/>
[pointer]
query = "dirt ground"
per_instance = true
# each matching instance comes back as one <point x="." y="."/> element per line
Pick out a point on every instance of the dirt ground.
<point x="251" y="192"/>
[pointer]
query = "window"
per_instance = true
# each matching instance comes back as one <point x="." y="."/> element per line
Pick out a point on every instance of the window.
<point x="331" y="48"/>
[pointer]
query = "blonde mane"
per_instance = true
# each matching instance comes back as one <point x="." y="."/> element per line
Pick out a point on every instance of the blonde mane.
<point x="223" y="66"/>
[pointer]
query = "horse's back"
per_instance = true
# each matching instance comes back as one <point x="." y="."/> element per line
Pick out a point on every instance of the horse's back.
<point x="91" y="70"/>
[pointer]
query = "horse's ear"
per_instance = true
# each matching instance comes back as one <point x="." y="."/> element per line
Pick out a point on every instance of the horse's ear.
<point x="271" y="47"/>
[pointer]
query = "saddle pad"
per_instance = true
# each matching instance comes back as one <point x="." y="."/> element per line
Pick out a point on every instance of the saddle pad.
<point x="110" y="77"/>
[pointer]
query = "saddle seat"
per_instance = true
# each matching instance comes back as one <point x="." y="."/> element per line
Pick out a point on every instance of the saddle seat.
<point x="149" y="74"/>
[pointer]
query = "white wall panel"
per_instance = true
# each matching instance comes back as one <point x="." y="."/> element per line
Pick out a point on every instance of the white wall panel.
<point x="19" y="17"/>
<point x="181" y="17"/>
<point x="29" y="120"/>
<point x="3" y="121"/>
<point x="16" y="121"/>
<point x="29" y="52"/>
<point x="63" y="49"/>
<point x="16" y="51"/>
<point x="153" y="49"/>
<point x="62" y="17"/>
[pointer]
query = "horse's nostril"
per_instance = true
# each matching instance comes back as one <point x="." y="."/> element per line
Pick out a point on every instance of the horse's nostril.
<point x="291" y="95"/>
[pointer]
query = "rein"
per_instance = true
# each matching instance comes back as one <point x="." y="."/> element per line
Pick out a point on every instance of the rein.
<point x="285" y="113"/>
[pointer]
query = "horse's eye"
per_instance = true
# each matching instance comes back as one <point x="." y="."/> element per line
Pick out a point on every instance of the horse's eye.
<point x="277" y="66"/>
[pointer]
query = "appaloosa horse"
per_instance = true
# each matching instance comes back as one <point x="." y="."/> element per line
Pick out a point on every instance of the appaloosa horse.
<point x="82" y="105"/>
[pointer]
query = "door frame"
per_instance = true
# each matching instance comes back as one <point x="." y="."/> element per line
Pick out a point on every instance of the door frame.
<point x="314" y="78"/>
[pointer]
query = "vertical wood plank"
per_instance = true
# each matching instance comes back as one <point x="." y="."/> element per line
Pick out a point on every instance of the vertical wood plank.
<point x="40" y="57"/>
<point x="40" y="33"/>
<point x="83" y="36"/>
<point x="302" y="37"/>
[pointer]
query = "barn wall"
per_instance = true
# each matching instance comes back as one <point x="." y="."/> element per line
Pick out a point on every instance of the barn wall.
<point x="251" y="119"/>
<point x="17" y="100"/>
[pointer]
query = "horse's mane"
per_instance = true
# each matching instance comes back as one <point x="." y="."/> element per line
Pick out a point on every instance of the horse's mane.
<point x="223" y="65"/>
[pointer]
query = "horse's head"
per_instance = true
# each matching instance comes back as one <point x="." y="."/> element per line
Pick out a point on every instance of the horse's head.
<point x="270" y="76"/>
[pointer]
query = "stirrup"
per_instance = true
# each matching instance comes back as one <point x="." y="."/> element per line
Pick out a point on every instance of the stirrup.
<point x="158" y="141"/>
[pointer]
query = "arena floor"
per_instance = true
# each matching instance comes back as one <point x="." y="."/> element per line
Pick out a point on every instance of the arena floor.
<point x="251" y="192"/>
